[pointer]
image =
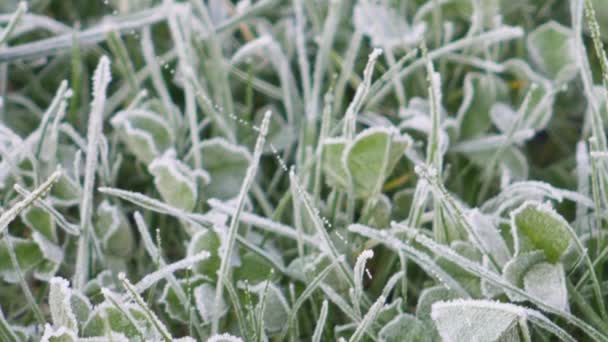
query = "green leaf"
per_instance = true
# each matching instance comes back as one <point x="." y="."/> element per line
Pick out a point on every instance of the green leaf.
<point x="28" y="254"/>
<point x="226" y="164"/>
<point x="60" y="304"/>
<point x="490" y="237"/>
<point x="146" y="134"/>
<point x="61" y="334"/>
<point x="539" y="111"/>
<point x="253" y="268"/>
<point x="114" y="231"/>
<point x="103" y="279"/>
<point x="479" y="320"/>
<point x="206" y="240"/>
<point x="538" y="227"/>
<point x="172" y="305"/>
<point x="551" y="48"/>
<point x="65" y="192"/>
<point x="335" y="173"/>
<point x="41" y="221"/>
<point x="175" y="181"/>
<point x="371" y="158"/>
<point x="404" y="327"/>
<point x="204" y="297"/>
<point x="381" y="213"/>
<point x="389" y="311"/>
<point x="46" y="270"/>
<point x="385" y="26"/>
<point x="53" y="257"/>
<point x="81" y="306"/>
<point x="515" y="270"/>
<point x="427" y="298"/>
<point x="276" y="309"/>
<point x="548" y="282"/>
<point x="117" y="320"/>
<point x="481" y="91"/>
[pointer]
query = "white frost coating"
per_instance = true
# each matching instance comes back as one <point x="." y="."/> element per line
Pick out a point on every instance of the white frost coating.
<point x="416" y="118"/>
<point x="434" y="153"/>
<point x="62" y="333"/>
<point x="158" y="206"/>
<point x="389" y="131"/>
<point x="160" y="327"/>
<point x="49" y="250"/>
<point x="535" y="52"/>
<point x="68" y="227"/>
<point x="42" y="138"/>
<point x="204" y="296"/>
<point x="385" y="26"/>
<point x="548" y="282"/>
<point x="9" y="215"/>
<point x="326" y="243"/>
<point x="350" y="117"/>
<point x="125" y="308"/>
<point x="60" y="305"/>
<point x="121" y="120"/>
<point x="503" y="116"/>
<point x="152" y="278"/>
<point x="491" y="142"/>
<point x="101" y="79"/>
<point x="335" y="298"/>
<point x="323" y="56"/>
<point x="224" y="338"/>
<point x="146" y="239"/>
<point x="316" y="336"/>
<point x="179" y="169"/>
<point x="583" y="171"/>
<point x="490" y="237"/>
<point x="531" y="190"/>
<point x="179" y="172"/>
<point x="114" y="336"/>
<point x="234" y="223"/>
<point x="312" y="286"/>
<point x="497" y="280"/>
<point x="368" y="320"/>
<point x="420" y="258"/>
<point x="358" y="273"/>
<point x="334" y="140"/>
<point x="184" y="339"/>
<point x="13" y="22"/>
<point x="251" y="48"/>
<point x="482" y="304"/>
<point x="236" y="149"/>
<point x="117" y="222"/>
<point x="474" y="316"/>
<point x="303" y="63"/>
<point x="478" y="320"/>
<point x="488" y="38"/>
<point x="273" y="53"/>
<point x="545" y="208"/>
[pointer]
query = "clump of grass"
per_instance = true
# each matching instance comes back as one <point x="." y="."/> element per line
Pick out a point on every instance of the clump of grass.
<point x="295" y="170"/>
